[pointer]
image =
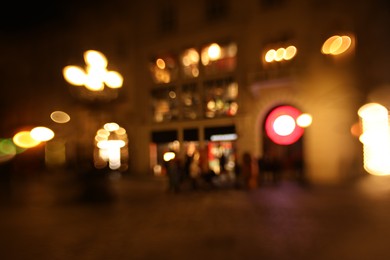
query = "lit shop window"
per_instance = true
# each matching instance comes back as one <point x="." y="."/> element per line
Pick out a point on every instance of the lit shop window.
<point x="221" y="98"/>
<point x="164" y="69"/>
<point x="190" y="63"/>
<point x="165" y="104"/>
<point x="219" y="58"/>
<point x="190" y="101"/>
<point x="111" y="147"/>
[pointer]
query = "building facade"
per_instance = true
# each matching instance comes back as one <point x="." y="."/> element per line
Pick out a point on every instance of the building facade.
<point x="207" y="75"/>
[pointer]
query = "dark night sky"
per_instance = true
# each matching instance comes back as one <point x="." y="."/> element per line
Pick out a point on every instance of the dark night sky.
<point x="26" y="17"/>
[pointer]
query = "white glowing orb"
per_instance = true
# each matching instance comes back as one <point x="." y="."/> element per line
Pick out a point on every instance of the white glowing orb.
<point x="113" y="79"/>
<point x="169" y="156"/>
<point x="214" y="51"/>
<point x="111" y="127"/>
<point x="42" y="133"/>
<point x="304" y="120"/>
<point x="375" y="138"/>
<point x="284" y="125"/>
<point x="74" y="75"/>
<point x="95" y="59"/>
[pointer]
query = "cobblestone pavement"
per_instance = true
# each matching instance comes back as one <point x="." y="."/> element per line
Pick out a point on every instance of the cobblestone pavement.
<point x="58" y="217"/>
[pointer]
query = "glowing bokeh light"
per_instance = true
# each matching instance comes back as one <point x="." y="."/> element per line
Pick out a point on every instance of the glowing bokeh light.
<point x="214" y="51"/>
<point x="95" y="76"/>
<point x="304" y="120"/>
<point x="280" y="125"/>
<point x="291" y="51"/>
<point x="24" y="139"/>
<point x="280" y="54"/>
<point x="336" y="45"/>
<point x="270" y="55"/>
<point x="113" y="79"/>
<point x="42" y="134"/>
<point x="74" y="75"/>
<point x="95" y="58"/>
<point x="7" y="150"/>
<point x="60" y="117"/>
<point x="111" y="146"/>
<point x="160" y="63"/>
<point x="111" y="127"/>
<point x="169" y="156"/>
<point x="375" y="138"/>
<point x="284" y="125"/>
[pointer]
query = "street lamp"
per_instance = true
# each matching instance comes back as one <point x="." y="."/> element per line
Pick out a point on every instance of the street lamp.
<point x="95" y="75"/>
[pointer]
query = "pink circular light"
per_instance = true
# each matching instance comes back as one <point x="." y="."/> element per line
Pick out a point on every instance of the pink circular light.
<point x="277" y="115"/>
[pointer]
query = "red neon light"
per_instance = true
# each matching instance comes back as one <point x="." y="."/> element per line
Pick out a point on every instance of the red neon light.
<point x="273" y="135"/>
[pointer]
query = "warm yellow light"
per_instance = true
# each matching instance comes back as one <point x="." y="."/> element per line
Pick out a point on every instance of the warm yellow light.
<point x="94" y="83"/>
<point x="42" y="133"/>
<point x="284" y="125"/>
<point x="291" y="51"/>
<point x="280" y="54"/>
<point x="344" y="46"/>
<point x="336" y="45"/>
<point x="95" y="75"/>
<point x="214" y="51"/>
<point x="190" y="56"/>
<point x="113" y="79"/>
<point x="304" y="120"/>
<point x="95" y="59"/>
<point x="160" y="63"/>
<point x="74" y="75"/>
<point x="111" y="127"/>
<point x="270" y="55"/>
<point x="172" y="94"/>
<point x="375" y="138"/>
<point x="107" y="144"/>
<point x="169" y="156"/>
<point x="60" y="117"/>
<point x="23" y="139"/>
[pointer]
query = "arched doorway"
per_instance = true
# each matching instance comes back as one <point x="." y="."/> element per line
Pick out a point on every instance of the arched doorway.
<point x="282" y="148"/>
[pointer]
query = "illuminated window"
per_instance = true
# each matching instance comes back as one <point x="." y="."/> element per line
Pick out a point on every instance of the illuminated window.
<point x="190" y="98"/>
<point x="164" y="69"/>
<point x="218" y="58"/>
<point x="165" y="104"/>
<point x="190" y="63"/>
<point x="220" y="98"/>
<point x="195" y="96"/>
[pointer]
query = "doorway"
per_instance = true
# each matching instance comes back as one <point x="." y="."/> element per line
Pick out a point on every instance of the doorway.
<point x="282" y="148"/>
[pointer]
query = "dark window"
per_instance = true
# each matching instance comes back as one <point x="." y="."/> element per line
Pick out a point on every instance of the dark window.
<point x="164" y="136"/>
<point x="190" y="134"/>
<point x="209" y="131"/>
<point x="168" y="19"/>
<point x="216" y="9"/>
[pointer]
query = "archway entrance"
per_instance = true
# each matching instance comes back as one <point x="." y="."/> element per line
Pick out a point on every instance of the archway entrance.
<point x="282" y="158"/>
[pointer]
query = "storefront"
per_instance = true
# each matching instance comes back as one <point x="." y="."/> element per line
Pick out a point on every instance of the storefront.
<point x="215" y="145"/>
